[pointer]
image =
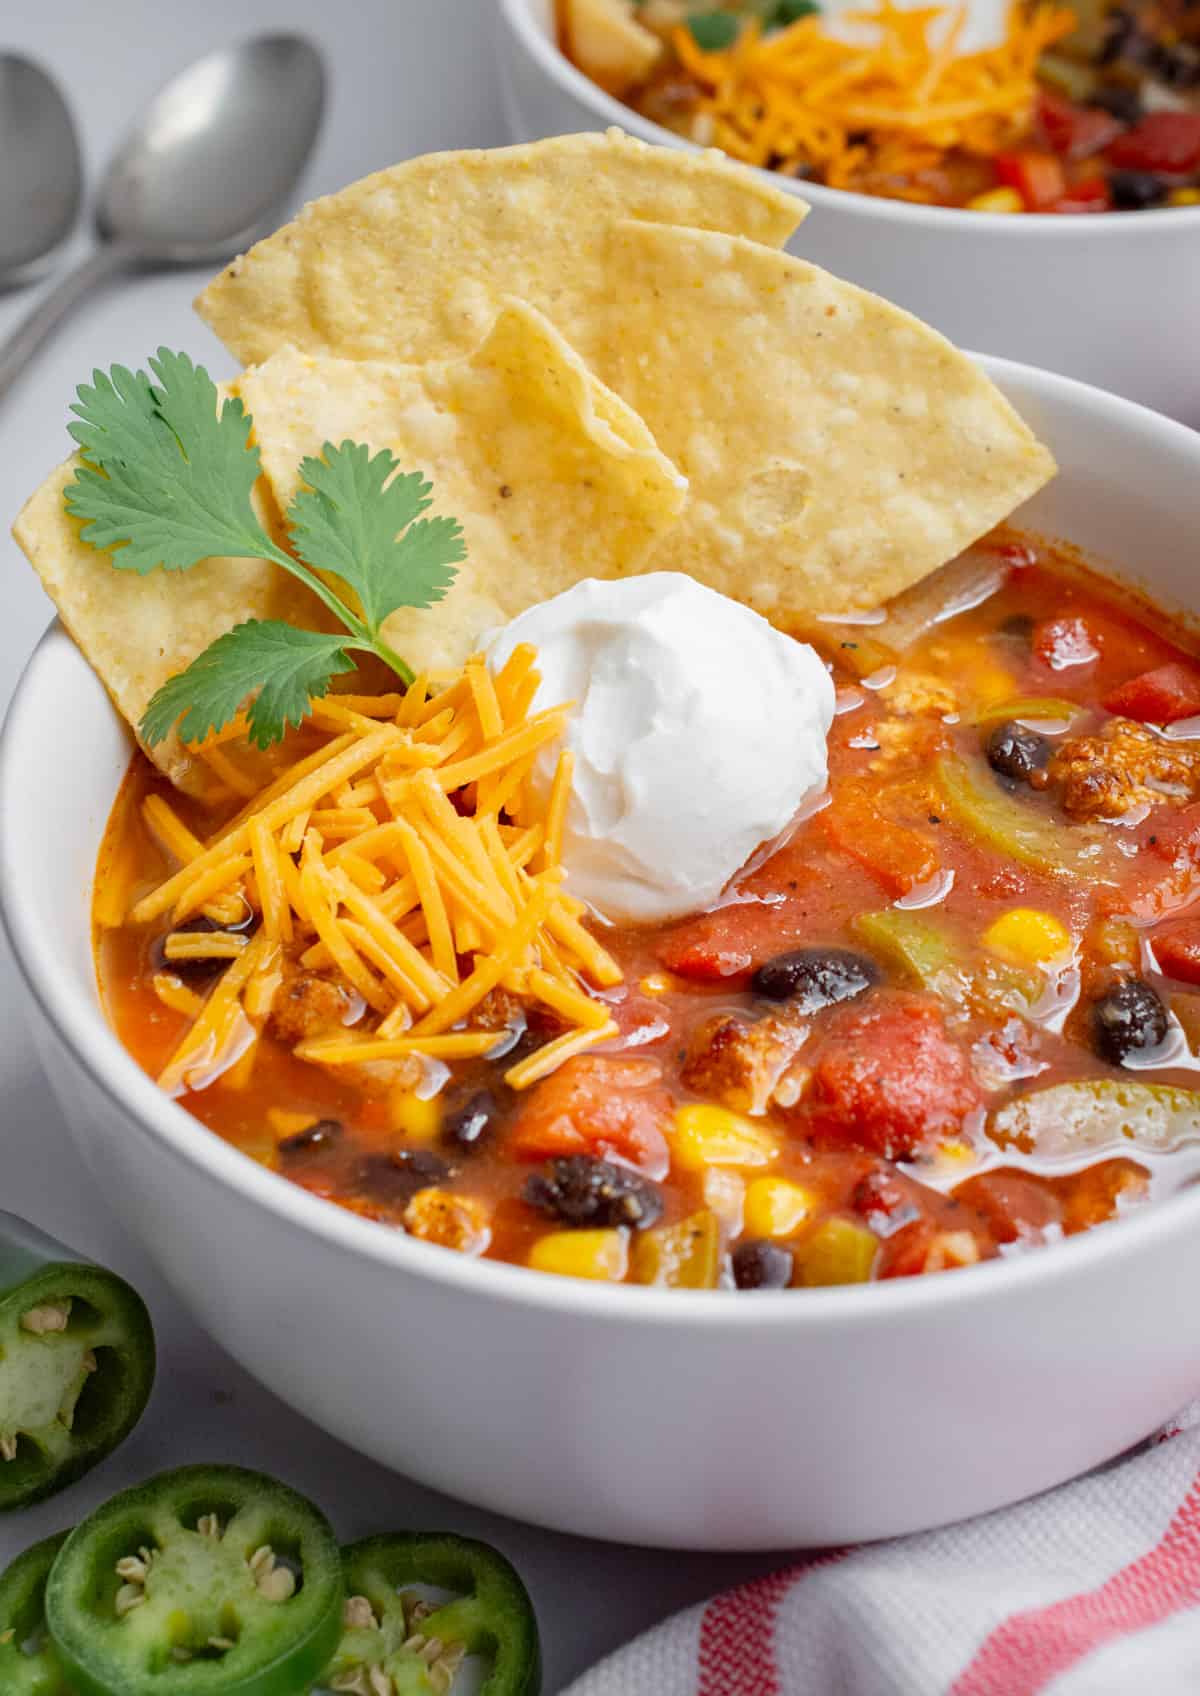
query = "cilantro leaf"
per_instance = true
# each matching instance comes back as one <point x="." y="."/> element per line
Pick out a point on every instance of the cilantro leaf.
<point x="788" y="12"/>
<point x="287" y="666"/>
<point x="359" y="517"/>
<point x="167" y="476"/>
<point x="713" y="31"/>
<point x="166" y="479"/>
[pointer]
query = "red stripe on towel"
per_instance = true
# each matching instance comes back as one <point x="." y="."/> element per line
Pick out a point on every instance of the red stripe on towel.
<point x="1029" y="1649"/>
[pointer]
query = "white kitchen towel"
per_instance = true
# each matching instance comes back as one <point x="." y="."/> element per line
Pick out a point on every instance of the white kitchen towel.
<point x="1092" y="1589"/>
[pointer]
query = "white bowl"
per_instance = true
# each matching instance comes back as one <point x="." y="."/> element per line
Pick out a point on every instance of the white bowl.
<point x="691" y="1420"/>
<point x="1112" y="298"/>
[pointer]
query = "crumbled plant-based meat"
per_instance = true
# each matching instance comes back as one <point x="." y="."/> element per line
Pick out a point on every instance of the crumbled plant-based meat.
<point x="1126" y="766"/>
<point x="451" y="1221"/>
<point x="581" y="1190"/>
<point x="916" y="693"/>
<point x="307" y="1005"/>
<point x="742" y="1065"/>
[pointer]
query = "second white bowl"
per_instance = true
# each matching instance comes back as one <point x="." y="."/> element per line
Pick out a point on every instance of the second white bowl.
<point x="1112" y="298"/>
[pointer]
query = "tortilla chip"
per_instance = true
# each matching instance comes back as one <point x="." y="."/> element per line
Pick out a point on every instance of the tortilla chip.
<point x="136" y="632"/>
<point x="551" y="476"/>
<point x="409" y="264"/>
<point x="837" y="449"/>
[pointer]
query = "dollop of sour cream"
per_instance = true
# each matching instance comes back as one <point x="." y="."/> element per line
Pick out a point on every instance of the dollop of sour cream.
<point x="698" y="732"/>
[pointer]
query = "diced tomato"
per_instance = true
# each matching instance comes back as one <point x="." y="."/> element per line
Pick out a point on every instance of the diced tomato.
<point x="593" y="1105"/>
<point x="1166" y="875"/>
<point x="1037" y="177"/>
<point x="1075" y="132"/>
<point x="1016" y="1205"/>
<point x="1161" y="141"/>
<point x="1091" y="195"/>
<point x="1177" y="950"/>
<point x="1067" y="641"/>
<point x="890" y="1080"/>
<point x="899" y="857"/>
<point x="1161" y="696"/>
<point x="730" y="942"/>
<point x="792" y="898"/>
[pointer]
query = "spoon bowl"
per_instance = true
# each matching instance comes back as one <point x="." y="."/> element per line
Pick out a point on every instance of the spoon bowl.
<point x="215" y="154"/>
<point x="41" y="184"/>
<point x="204" y="172"/>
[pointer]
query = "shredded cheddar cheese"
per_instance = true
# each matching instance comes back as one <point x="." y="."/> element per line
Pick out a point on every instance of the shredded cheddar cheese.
<point x="406" y="860"/>
<point x="878" y="115"/>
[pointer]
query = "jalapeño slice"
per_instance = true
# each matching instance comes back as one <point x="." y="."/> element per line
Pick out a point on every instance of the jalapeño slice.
<point x="397" y="1643"/>
<point x="76" y="1363"/>
<point x="208" y="1581"/>
<point x="29" y="1665"/>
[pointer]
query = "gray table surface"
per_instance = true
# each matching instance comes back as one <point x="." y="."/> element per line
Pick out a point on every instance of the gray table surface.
<point x="409" y="76"/>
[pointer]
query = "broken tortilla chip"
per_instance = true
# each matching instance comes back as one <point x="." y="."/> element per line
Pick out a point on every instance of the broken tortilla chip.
<point x="551" y="476"/>
<point x="135" y="630"/>
<point x="410" y="264"/>
<point x="837" y="449"/>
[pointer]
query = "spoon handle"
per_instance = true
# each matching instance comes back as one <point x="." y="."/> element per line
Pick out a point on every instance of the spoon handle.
<point x="15" y="353"/>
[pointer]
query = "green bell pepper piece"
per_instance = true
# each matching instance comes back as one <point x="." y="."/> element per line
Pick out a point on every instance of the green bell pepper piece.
<point x="76" y="1363"/>
<point x="29" y="1665"/>
<point x="1029" y="709"/>
<point x="406" y="1646"/>
<point x="683" y="1256"/>
<point x="208" y="1581"/>
<point x="1093" y="1113"/>
<point x="926" y="950"/>
<point x="837" y="1252"/>
<point x="979" y="806"/>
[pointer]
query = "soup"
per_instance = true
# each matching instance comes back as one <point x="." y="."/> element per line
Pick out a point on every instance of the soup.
<point x="948" y="1016"/>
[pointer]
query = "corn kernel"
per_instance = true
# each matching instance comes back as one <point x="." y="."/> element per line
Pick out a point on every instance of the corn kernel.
<point x="657" y="983"/>
<point x="602" y="1255"/>
<point x="775" y="1207"/>
<point x="1184" y="197"/>
<point x="1028" y="937"/>
<point x="837" y="1252"/>
<point x="713" y="1136"/>
<point x="996" y="200"/>
<point x="418" y="1120"/>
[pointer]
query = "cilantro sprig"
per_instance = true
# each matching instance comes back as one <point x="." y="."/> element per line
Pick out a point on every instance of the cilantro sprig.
<point x="166" y="481"/>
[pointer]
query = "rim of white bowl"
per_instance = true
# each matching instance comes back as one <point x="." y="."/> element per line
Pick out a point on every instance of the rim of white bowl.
<point x="78" y="1020"/>
<point x="1041" y="226"/>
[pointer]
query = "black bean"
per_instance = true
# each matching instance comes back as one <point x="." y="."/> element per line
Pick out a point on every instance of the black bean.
<point x="1133" y="191"/>
<point x="1120" y="100"/>
<point x="197" y="973"/>
<point x="813" y="978"/>
<point x="762" y="1266"/>
<point x="318" y="1138"/>
<point x="581" y="1190"/>
<point x="1178" y="65"/>
<point x="1129" y="1020"/>
<point x="466" y="1124"/>
<point x="1018" y="627"/>
<point x="1016" y="752"/>
<point x="398" y="1176"/>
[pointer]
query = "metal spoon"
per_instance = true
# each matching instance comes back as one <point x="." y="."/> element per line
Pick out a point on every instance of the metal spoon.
<point x="200" y="177"/>
<point x="41" y="172"/>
